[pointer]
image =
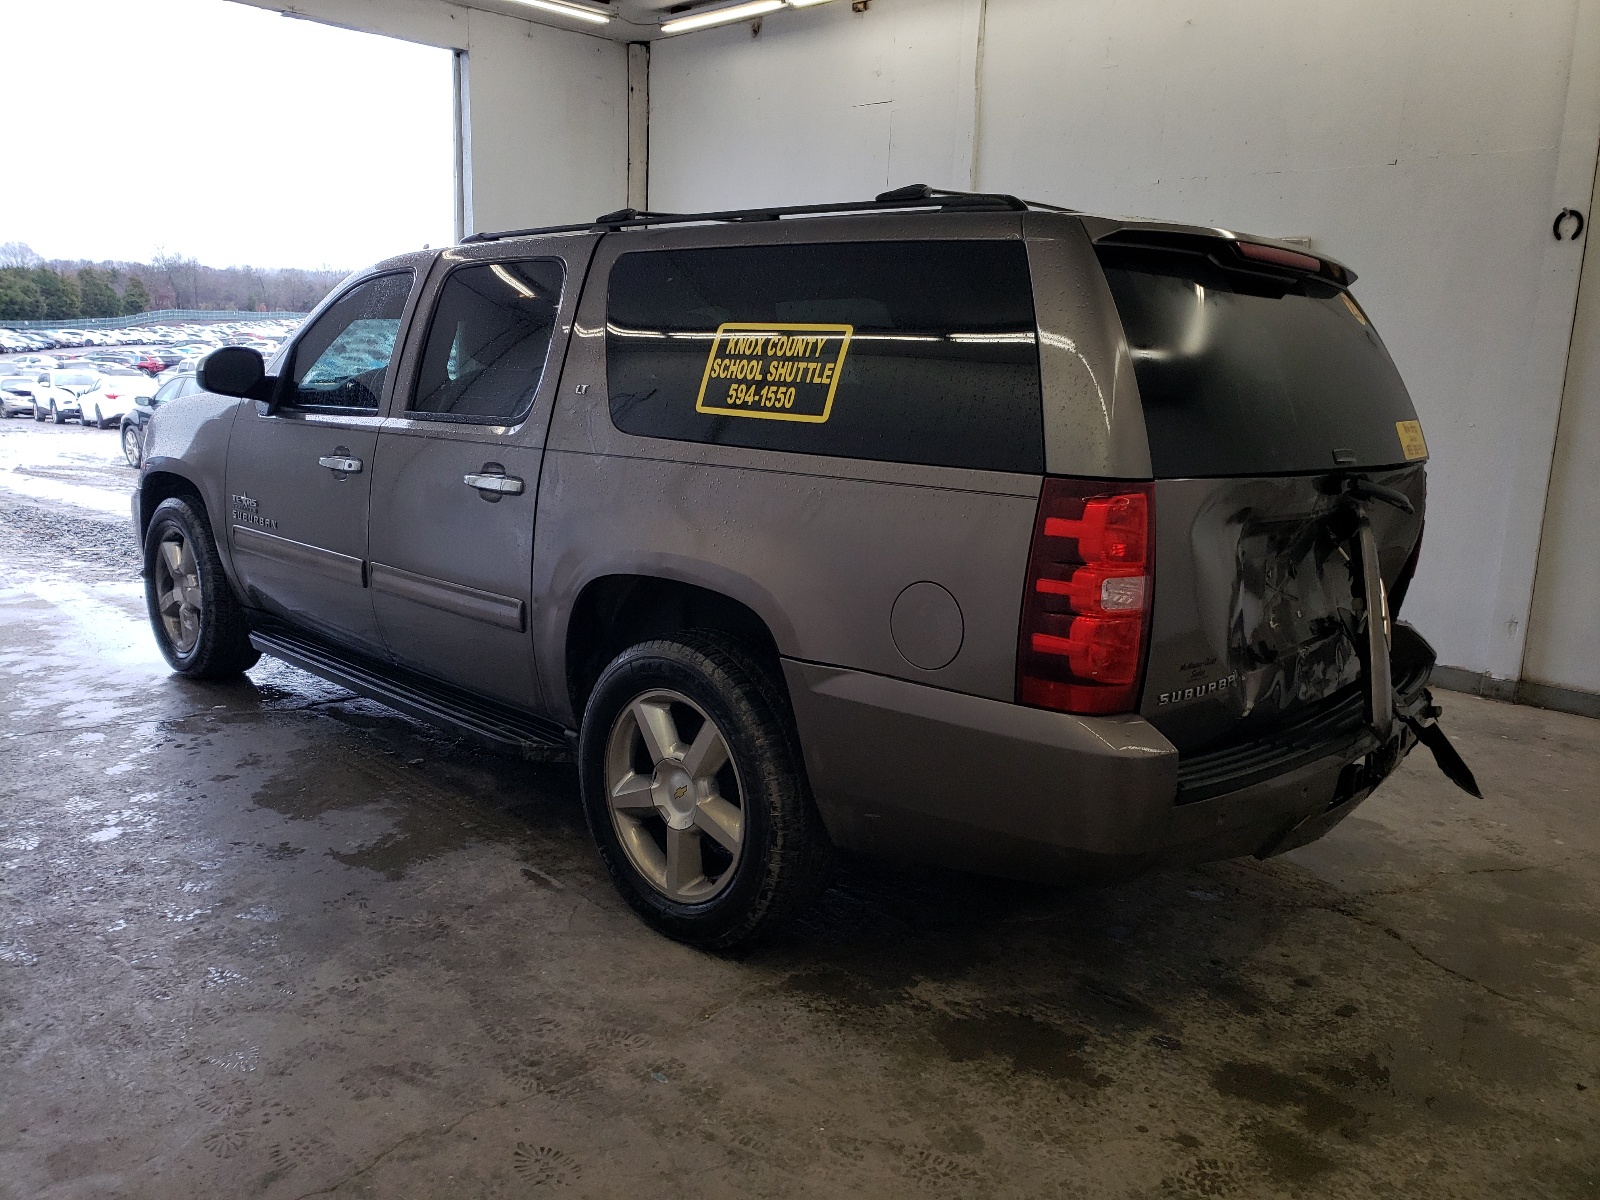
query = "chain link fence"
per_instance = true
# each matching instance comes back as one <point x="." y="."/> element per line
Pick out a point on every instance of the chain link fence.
<point x="158" y="317"/>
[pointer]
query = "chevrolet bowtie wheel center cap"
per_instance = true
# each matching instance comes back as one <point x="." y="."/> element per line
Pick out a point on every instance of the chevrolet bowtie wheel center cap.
<point x="674" y="796"/>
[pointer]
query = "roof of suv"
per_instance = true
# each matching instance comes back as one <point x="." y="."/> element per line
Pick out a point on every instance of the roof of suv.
<point x="920" y="199"/>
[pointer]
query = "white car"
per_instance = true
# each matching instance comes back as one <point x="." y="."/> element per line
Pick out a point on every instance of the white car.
<point x="58" y="394"/>
<point x="36" y="362"/>
<point x="16" y="395"/>
<point x="114" y="398"/>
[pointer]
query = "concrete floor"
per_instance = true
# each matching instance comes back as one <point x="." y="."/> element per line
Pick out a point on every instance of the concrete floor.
<point x="268" y="939"/>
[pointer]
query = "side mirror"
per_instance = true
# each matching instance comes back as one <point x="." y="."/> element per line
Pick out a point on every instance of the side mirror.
<point x="234" y="371"/>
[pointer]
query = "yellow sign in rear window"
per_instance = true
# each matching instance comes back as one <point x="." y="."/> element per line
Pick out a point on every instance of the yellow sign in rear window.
<point x="1411" y="443"/>
<point x="774" y="370"/>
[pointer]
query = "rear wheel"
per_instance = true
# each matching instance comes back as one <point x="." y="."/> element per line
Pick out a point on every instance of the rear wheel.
<point x="198" y="622"/>
<point x="131" y="449"/>
<point x="695" y="791"/>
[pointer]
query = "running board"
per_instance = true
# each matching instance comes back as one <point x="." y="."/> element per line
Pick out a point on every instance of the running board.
<point x="498" y="726"/>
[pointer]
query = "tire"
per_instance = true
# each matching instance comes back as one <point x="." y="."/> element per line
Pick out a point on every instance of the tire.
<point x="38" y="413"/>
<point x="132" y="445"/>
<point x="198" y="622"/>
<point x="56" y="418"/>
<point x="751" y="851"/>
<point x="99" y="421"/>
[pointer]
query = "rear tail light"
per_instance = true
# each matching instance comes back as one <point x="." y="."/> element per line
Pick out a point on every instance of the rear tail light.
<point x="1086" y="613"/>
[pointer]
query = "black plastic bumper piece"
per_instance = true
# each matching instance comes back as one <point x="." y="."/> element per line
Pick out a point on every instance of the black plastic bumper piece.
<point x="1336" y="726"/>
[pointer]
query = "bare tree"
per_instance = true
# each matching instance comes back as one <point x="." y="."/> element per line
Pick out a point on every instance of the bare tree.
<point x="18" y="254"/>
<point x="182" y="275"/>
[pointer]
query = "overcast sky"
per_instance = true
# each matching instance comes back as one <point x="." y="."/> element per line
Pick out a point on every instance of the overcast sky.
<point x="219" y="131"/>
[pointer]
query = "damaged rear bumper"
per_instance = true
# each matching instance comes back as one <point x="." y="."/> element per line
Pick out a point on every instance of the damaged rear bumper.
<point x="907" y="771"/>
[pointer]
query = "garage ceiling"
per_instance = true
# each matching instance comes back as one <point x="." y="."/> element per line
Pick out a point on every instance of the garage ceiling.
<point x="633" y="21"/>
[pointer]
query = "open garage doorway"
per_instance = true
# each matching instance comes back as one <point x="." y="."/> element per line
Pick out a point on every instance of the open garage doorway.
<point x="224" y="134"/>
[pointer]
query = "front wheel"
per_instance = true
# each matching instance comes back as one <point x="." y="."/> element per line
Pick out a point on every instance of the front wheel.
<point x="696" y="793"/>
<point x="131" y="449"/>
<point x="56" y="417"/>
<point x="198" y="622"/>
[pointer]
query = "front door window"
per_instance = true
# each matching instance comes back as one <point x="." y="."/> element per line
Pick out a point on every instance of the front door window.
<point x="342" y="360"/>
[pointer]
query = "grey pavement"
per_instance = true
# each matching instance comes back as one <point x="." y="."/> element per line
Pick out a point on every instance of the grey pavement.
<point x="270" y="939"/>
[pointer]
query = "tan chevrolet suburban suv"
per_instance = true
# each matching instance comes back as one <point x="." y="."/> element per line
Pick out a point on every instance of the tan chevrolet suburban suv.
<point x="940" y="526"/>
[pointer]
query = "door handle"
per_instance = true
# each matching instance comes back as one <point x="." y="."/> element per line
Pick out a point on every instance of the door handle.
<point x="342" y="463"/>
<point x="493" y="486"/>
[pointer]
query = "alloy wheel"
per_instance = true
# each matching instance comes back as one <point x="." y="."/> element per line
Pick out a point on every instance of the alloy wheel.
<point x="130" y="445"/>
<point x="675" y="797"/>
<point x="178" y="591"/>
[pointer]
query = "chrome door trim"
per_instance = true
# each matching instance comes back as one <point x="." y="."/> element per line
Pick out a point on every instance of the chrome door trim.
<point x="505" y="612"/>
<point x="343" y="567"/>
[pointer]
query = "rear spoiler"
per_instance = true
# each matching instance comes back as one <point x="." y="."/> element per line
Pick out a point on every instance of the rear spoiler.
<point x="1228" y="250"/>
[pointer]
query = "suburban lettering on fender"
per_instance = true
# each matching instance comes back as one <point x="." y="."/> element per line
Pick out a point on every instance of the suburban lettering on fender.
<point x="775" y="370"/>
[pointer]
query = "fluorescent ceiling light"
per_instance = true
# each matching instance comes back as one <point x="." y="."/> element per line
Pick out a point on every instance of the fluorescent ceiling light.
<point x="721" y="16"/>
<point x="569" y="10"/>
<point x="805" y="3"/>
<point x="514" y="283"/>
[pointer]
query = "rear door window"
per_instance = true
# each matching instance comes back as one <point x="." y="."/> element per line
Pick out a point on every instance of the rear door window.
<point x="488" y="342"/>
<point x="1246" y="373"/>
<point x="918" y="352"/>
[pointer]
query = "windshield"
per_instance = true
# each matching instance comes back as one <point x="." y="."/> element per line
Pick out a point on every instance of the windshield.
<point x="74" y="379"/>
<point x="1246" y="374"/>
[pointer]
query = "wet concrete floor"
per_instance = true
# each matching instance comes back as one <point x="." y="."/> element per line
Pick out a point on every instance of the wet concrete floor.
<point x="268" y="939"/>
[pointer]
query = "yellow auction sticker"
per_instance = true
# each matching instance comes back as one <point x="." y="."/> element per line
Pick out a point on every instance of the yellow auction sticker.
<point x="774" y="370"/>
<point x="1411" y="443"/>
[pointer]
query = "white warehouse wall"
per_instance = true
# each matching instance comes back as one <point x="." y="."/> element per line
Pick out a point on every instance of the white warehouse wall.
<point x="547" y="109"/>
<point x="548" y="124"/>
<point x="1422" y="144"/>
<point x="824" y="105"/>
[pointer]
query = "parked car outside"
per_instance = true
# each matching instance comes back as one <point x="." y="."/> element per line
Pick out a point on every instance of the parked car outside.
<point x="60" y="393"/>
<point x="119" y="389"/>
<point x="136" y="419"/>
<point x="943" y="527"/>
<point x="17" y="395"/>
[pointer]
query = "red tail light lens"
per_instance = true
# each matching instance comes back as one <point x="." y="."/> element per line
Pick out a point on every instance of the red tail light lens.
<point x="1087" y="607"/>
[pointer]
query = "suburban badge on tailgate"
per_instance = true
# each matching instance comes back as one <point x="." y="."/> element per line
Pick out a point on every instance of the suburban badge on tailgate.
<point x="1199" y="690"/>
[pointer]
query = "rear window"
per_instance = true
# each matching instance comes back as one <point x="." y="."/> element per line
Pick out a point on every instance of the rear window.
<point x="1246" y="373"/>
<point x="920" y="352"/>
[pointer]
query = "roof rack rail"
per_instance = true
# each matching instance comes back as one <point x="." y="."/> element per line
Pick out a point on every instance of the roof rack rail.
<point x="917" y="195"/>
